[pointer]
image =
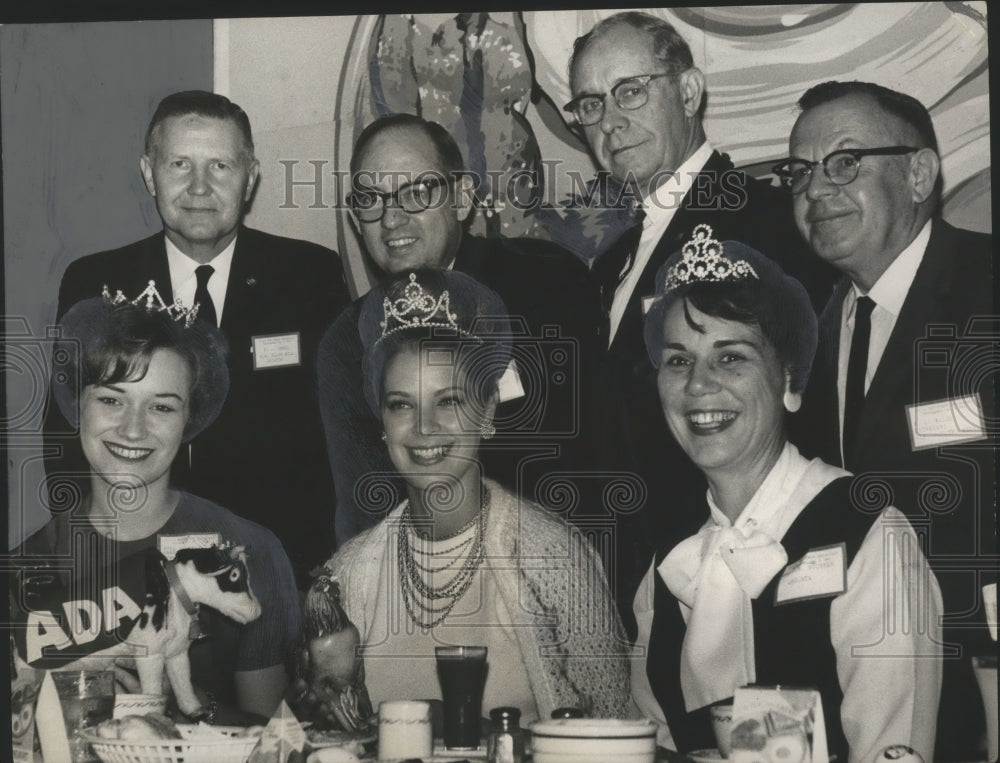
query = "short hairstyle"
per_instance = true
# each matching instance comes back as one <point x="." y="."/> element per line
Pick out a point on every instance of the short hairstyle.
<point x="108" y="344"/>
<point x="449" y="154"/>
<point x="481" y="348"/>
<point x="203" y="104"/>
<point x="774" y="302"/>
<point x="668" y="45"/>
<point x="902" y="106"/>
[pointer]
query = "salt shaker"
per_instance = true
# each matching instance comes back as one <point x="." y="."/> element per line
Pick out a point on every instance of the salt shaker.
<point x="506" y="740"/>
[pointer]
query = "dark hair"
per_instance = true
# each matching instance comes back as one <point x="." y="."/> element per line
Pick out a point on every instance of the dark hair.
<point x="480" y="348"/>
<point x="774" y="302"/>
<point x="450" y="158"/>
<point x="902" y="106"/>
<point x="115" y="344"/>
<point x="204" y="104"/>
<point x="668" y="46"/>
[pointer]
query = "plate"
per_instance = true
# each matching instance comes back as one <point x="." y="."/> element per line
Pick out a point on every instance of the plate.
<point x="593" y="728"/>
<point x="706" y="756"/>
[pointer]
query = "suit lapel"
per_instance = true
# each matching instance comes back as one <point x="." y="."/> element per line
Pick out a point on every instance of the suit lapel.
<point x="150" y="265"/>
<point x="823" y="400"/>
<point x="245" y="275"/>
<point x="674" y="237"/>
<point x="894" y="379"/>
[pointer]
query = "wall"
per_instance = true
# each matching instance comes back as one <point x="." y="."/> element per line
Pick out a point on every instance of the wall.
<point x="76" y="99"/>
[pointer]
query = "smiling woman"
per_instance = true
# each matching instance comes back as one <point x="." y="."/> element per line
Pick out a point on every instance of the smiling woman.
<point x="462" y="560"/>
<point x="142" y="378"/>
<point x="733" y="338"/>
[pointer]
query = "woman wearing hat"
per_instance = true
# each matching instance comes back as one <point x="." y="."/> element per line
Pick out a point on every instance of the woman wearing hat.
<point x="462" y="560"/>
<point x="792" y="579"/>
<point x="142" y="378"/>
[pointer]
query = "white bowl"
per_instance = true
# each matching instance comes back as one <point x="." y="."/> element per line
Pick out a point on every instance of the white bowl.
<point x="601" y="740"/>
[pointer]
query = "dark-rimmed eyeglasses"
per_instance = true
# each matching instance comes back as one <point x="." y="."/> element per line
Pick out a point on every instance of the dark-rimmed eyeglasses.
<point x="630" y="94"/>
<point x="370" y="205"/>
<point x="840" y="167"/>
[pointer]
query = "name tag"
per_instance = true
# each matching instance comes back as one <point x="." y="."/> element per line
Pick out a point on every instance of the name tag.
<point x="647" y="302"/>
<point x="169" y="545"/>
<point x="946" y="422"/>
<point x="990" y="602"/>
<point x="821" y="572"/>
<point x="276" y="351"/>
<point x="509" y="386"/>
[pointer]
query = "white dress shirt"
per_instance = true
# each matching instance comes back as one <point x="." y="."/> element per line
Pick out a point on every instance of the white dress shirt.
<point x="660" y="208"/>
<point x="184" y="281"/>
<point x="889" y="613"/>
<point x="889" y="294"/>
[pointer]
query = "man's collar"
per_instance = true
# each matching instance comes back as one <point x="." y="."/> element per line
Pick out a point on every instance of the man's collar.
<point x="669" y="195"/>
<point x="890" y="290"/>
<point x="182" y="263"/>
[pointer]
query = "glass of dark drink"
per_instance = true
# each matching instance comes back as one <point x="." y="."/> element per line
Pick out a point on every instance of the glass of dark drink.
<point x="462" y="673"/>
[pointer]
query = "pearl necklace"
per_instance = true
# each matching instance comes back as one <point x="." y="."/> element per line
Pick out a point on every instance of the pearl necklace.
<point x="426" y="604"/>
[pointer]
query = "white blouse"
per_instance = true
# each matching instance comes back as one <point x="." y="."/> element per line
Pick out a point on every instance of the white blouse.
<point x="890" y="610"/>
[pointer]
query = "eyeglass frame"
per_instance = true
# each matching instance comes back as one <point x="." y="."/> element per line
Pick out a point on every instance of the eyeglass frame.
<point x="858" y="153"/>
<point x="432" y="180"/>
<point x="571" y="106"/>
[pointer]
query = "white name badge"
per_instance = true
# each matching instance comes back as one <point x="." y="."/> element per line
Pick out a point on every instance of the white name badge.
<point x="509" y="387"/>
<point x="950" y="421"/>
<point x="276" y="351"/>
<point x="990" y="602"/>
<point x="169" y="545"/>
<point x="647" y="302"/>
<point x="821" y="572"/>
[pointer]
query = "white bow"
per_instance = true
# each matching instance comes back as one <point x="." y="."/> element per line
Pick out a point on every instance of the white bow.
<point x="715" y="574"/>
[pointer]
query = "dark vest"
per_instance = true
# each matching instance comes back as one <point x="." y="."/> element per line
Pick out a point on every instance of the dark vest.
<point x="791" y="641"/>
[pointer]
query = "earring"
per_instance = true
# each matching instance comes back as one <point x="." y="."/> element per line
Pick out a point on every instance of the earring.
<point x="792" y="401"/>
<point x="487" y="430"/>
<point x="383" y="437"/>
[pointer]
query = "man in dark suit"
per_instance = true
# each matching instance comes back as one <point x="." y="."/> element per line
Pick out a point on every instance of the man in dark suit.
<point x="901" y="391"/>
<point x="639" y="100"/>
<point x="272" y="297"/>
<point x="410" y="203"/>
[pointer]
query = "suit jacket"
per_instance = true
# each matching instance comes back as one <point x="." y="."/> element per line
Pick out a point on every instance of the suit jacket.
<point x="264" y="457"/>
<point x="632" y="429"/>
<point x="547" y="292"/>
<point x="937" y="350"/>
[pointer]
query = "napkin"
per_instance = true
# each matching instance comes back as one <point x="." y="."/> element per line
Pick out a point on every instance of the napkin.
<point x="282" y="741"/>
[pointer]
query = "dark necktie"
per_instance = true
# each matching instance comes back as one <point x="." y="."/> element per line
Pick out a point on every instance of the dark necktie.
<point x="621" y="260"/>
<point x="206" y="308"/>
<point x="857" y="366"/>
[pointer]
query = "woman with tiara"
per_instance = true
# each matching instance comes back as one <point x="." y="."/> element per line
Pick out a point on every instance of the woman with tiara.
<point x="462" y="560"/>
<point x="141" y="378"/>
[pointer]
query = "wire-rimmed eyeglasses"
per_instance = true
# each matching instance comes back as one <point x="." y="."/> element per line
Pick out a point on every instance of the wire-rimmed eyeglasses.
<point x="630" y="94"/>
<point x="370" y="205"/>
<point x="840" y="167"/>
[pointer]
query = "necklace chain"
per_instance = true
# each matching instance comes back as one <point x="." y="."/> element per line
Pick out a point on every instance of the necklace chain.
<point x="420" y="595"/>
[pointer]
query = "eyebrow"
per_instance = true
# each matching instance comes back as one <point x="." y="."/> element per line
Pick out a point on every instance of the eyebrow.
<point x="721" y="343"/>
<point x="121" y="391"/>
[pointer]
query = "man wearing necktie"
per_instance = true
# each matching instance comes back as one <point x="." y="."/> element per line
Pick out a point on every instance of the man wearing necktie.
<point x="639" y="100"/>
<point x="901" y="392"/>
<point x="264" y="458"/>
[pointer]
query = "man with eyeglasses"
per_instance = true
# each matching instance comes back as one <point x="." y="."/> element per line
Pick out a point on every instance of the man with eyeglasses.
<point x="901" y="390"/>
<point x="639" y="100"/>
<point x="410" y="200"/>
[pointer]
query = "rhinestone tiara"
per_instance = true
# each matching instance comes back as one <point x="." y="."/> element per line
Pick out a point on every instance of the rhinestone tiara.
<point x="702" y="260"/>
<point x="150" y="299"/>
<point x="418" y="309"/>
